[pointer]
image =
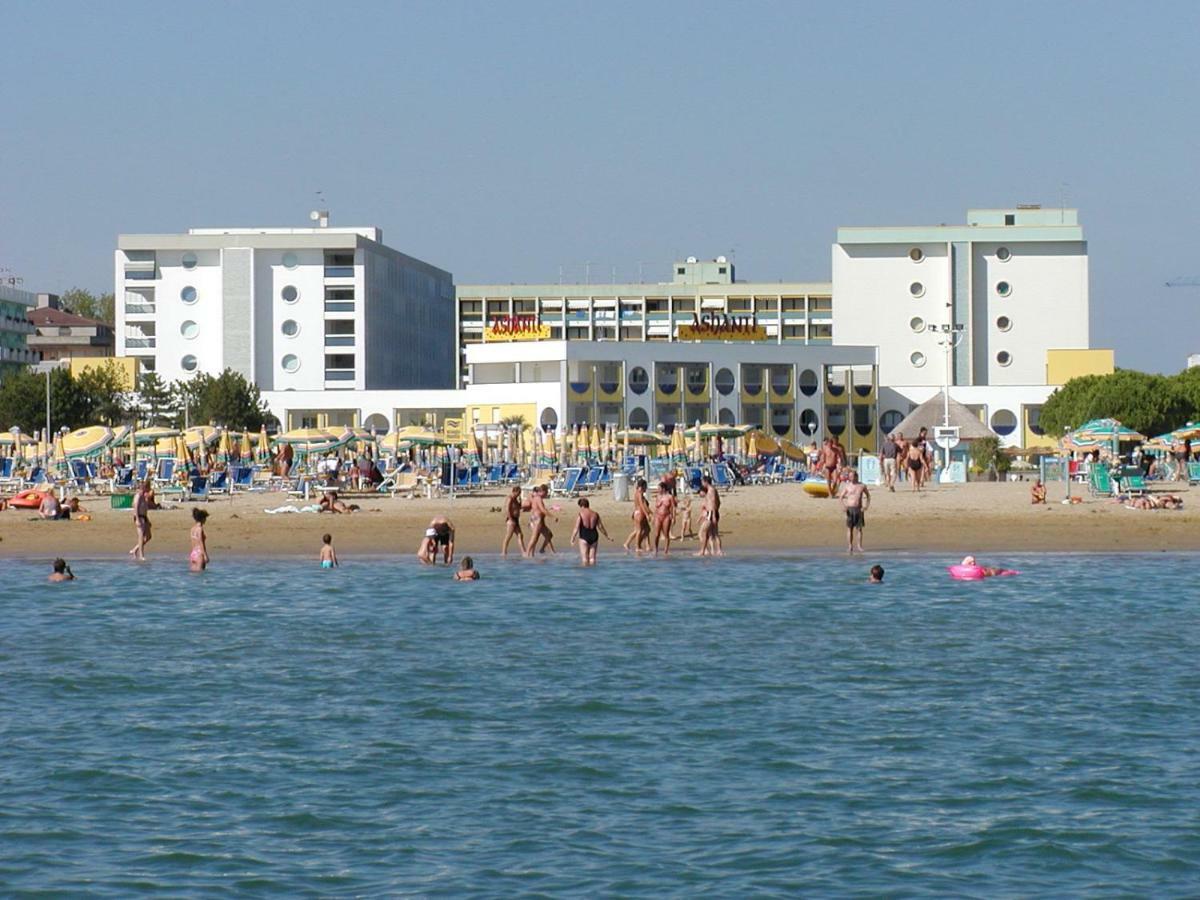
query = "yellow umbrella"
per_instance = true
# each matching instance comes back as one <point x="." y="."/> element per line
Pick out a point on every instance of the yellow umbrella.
<point x="181" y="449"/>
<point x="548" y="447"/>
<point x="752" y="445"/>
<point x="595" y="441"/>
<point x="246" y="451"/>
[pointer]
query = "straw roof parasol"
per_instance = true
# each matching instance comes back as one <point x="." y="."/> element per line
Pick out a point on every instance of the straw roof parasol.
<point x="930" y="414"/>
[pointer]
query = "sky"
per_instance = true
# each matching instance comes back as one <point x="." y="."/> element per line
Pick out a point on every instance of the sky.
<point x="507" y="141"/>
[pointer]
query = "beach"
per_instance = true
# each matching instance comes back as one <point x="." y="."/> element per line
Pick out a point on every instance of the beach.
<point x="957" y="519"/>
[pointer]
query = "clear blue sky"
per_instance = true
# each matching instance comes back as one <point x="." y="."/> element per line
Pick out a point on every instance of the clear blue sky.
<point x="501" y="141"/>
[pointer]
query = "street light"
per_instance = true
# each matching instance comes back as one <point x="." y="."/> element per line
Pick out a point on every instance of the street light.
<point x="950" y="335"/>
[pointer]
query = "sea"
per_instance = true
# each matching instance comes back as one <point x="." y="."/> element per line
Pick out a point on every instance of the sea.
<point x="758" y="725"/>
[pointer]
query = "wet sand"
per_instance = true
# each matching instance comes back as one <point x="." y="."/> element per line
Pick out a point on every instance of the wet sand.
<point x="978" y="518"/>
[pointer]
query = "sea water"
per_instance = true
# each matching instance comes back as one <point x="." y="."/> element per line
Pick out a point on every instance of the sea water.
<point x="646" y="728"/>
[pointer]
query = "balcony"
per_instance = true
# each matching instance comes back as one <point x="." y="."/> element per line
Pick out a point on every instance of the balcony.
<point x="135" y="343"/>
<point x="339" y="271"/>
<point x="19" y="355"/>
<point x="140" y="309"/>
<point x="339" y="340"/>
<point x="140" y="274"/>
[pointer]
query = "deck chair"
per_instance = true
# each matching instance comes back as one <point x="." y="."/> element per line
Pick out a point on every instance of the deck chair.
<point x="36" y="476"/>
<point x="1194" y="473"/>
<point x="198" y="487"/>
<point x="722" y="478"/>
<point x="1100" y="481"/>
<point x="218" y="483"/>
<point x="79" y="479"/>
<point x="1133" y="483"/>
<point x="568" y="486"/>
<point x="591" y="479"/>
<point x="7" y="479"/>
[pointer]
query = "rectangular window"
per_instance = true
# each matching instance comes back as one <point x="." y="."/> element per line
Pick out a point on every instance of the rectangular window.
<point x="1010" y="219"/>
<point x="680" y="271"/>
<point x="339" y="263"/>
<point x="339" y="360"/>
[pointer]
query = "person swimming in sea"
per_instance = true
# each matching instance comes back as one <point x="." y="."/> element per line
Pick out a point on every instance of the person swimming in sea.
<point x="198" y="559"/>
<point x="588" y="529"/>
<point x="466" y="570"/>
<point x="876" y="575"/>
<point x="328" y="555"/>
<point x="62" y="572"/>
<point x="969" y="561"/>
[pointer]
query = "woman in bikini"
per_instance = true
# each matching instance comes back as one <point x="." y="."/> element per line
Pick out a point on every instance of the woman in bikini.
<point x="588" y="529"/>
<point x="664" y="512"/>
<point x="512" y="521"/>
<point x="641" y="519"/>
<point x="198" y="560"/>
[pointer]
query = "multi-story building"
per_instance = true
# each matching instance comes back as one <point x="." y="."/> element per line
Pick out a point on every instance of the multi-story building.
<point x="15" y="330"/>
<point x="997" y="309"/>
<point x="293" y="309"/>
<point x="788" y="312"/>
<point x="62" y="336"/>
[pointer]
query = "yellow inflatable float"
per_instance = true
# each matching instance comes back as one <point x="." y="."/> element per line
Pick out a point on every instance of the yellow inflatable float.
<point x="816" y="488"/>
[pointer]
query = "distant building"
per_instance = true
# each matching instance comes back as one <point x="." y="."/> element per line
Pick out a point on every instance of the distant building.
<point x="62" y="336"/>
<point x="15" y="330"/>
<point x="1193" y="360"/>
<point x="292" y="309"/>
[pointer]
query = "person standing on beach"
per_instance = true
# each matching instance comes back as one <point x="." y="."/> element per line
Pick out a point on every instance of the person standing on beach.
<point x="588" y="529"/>
<point x="440" y="533"/>
<point x="664" y="514"/>
<point x="855" y="500"/>
<point x="512" y="520"/>
<point x="141" y="520"/>
<point x="198" y="559"/>
<point x="887" y="459"/>
<point x="914" y="459"/>
<point x="710" y="518"/>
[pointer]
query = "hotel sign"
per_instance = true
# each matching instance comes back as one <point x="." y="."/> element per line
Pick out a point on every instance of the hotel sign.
<point x="722" y="327"/>
<point x="516" y="328"/>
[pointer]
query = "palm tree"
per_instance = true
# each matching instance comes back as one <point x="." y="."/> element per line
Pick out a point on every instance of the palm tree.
<point x="517" y="421"/>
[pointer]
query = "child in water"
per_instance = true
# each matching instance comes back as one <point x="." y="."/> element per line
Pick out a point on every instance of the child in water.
<point x="466" y="570"/>
<point x="198" y="560"/>
<point x="328" y="555"/>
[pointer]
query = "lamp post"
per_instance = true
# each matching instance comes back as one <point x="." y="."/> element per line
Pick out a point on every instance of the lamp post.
<point x="950" y="335"/>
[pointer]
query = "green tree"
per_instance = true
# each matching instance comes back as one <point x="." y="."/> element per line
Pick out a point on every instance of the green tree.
<point x="1147" y="403"/>
<point x="23" y="401"/>
<point x="84" y="303"/>
<point x="156" y="404"/>
<point x="228" y="399"/>
<point x="105" y="393"/>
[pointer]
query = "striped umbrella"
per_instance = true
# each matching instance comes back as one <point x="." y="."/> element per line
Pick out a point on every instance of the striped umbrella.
<point x="224" y="447"/>
<point x="85" y="441"/>
<point x="264" y="445"/>
<point x="245" y="451"/>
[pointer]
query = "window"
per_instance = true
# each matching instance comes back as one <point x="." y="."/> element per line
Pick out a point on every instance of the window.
<point x="725" y="417"/>
<point x="808" y="422"/>
<point x="1003" y="254"/>
<point x="290" y="328"/>
<point x="724" y="382"/>
<point x="781" y="379"/>
<point x="189" y="329"/>
<point x="889" y="420"/>
<point x="1004" y="357"/>
<point x="188" y="363"/>
<point x="639" y="419"/>
<point x="290" y="294"/>
<point x="549" y="419"/>
<point x="638" y="380"/>
<point x="290" y="362"/>
<point x="916" y="254"/>
<point x="188" y="261"/>
<point x="781" y="420"/>
<point x="680" y="270"/>
<point x="290" y="260"/>
<point x="1010" y="219"/>
<point x="1033" y="415"/>
<point x="64" y="330"/>
<point x="1003" y="288"/>
<point x="808" y="382"/>
<point x="917" y="358"/>
<point x="917" y="289"/>
<point x="835" y="420"/>
<point x="668" y="379"/>
<point x="917" y="324"/>
<point x="1004" y="422"/>
<point x="1004" y="323"/>
<point x="722" y="270"/>
<point x="188" y="295"/>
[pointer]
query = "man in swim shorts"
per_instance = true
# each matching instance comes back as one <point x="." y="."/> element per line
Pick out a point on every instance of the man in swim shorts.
<point x="887" y="459"/>
<point x="440" y="533"/>
<point x="512" y="520"/>
<point x="855" y="499"/>
<point x="710" y="519"/>
<point x="829" y="465"/>
<point x="328" y="555"/>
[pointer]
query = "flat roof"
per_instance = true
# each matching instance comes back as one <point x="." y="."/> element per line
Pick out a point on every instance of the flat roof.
<point x="654" y="288"/>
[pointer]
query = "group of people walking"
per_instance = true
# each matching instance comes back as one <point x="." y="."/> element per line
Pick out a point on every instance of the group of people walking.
<point x="902" y="458"/>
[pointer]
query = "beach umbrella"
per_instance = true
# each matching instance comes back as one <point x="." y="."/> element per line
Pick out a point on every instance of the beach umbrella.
<point x="245" y="451"/>
<point x="200" y="436"/>
<point x="1107" y="430"/>
<point x="625" y="446"/>
<point x="678" y="447"/>
<point x="792" y="451"/>
<point x="156" y="433"/>
<point x="549" y="452"/>
<point x="638" y="438"/>
<point x="313" y="440"/>
<point x="594" y="441"/>
<point x="752" y="445"/>
<point x="711" y="430"/>
<point x="182" y="454"/>
<point x="264" y="445"/>
<point x="418" y="436"/>
<point x="224" y="447"/>
<point x="1188" y="432"/>
<point x="85" y="441"/>
<point x="471" y="457"/>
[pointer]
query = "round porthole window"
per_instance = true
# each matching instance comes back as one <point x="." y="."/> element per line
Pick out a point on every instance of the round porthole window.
<point x="290" y="328"/>
<point x="1004" y="357"/>
<point x="188" y="363"/>
<point x="638" y="380"/>
<point x="723" y="381"/>
<point x="189" y="329"/>
<point x="290" y="260"/>
<point x="1003" y="288"/>
<point x="917" y="289"/>
<point x="188" y="294"/>
<point x="917" y="358"/>
<point x="916" y="323"/>
<point x="188" y="260"/>
<point x="289" y="294"/>
<point x="916" y="254"/>
<point x="1004" y="323"/>
<point x="290" y="362"/>
<point x="808" y="422"/>
<point x="1003" y="254"/>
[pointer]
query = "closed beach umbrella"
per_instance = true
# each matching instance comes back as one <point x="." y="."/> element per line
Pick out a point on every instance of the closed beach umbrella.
<point x="245" y="451"/>
<point x="549" y="451"/>
<point x="264" y="445"/>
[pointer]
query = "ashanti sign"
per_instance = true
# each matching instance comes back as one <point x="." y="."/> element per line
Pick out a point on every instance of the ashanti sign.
<point x="722" y="327"/>
<point x="516" y="328"/>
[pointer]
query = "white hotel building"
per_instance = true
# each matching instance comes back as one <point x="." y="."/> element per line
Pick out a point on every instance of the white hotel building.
<point x="338" y="329"/>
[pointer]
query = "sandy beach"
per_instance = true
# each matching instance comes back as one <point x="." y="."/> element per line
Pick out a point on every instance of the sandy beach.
<point x="977" y="518"/>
